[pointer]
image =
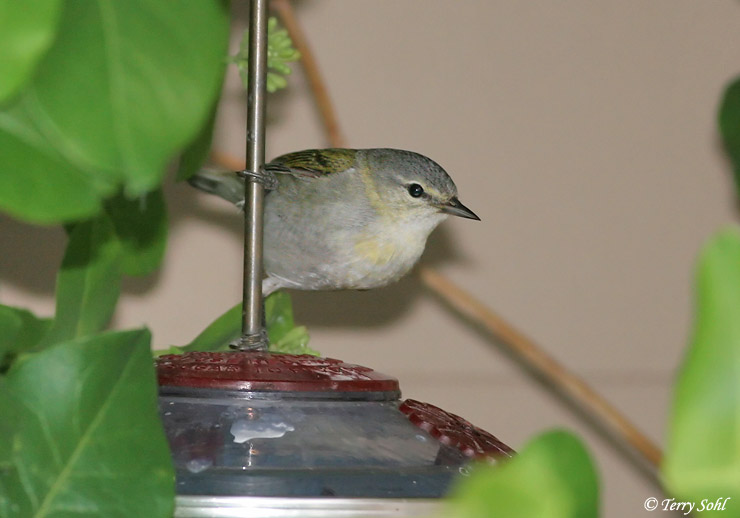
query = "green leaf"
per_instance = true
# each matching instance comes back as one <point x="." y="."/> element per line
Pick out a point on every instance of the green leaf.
<point x="217" y="336"/>
<point x="32" y="331"/>
<point x="279" y="315"/>
<point x="195" y="155"/>
<point x="702" y="459"/>
<point x="26" y="32"/>
<point x="37" y="184"/>
<point x="729" y="125"/>
<point x="285" y="336"/>
<point x="294" y="341"/>
<point x="10" y="417"/>
<point x="88" y="440"/>
<point x="551" y="477"/>
<point x="141" y="226"/>
<point x="10" y="328"/>
<point x="125" y="86"/>
<point x="88" y="283"/>
<point x="20" y="330"/>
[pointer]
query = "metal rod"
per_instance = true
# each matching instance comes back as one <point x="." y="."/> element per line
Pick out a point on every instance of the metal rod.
<point x="254" y="336"/>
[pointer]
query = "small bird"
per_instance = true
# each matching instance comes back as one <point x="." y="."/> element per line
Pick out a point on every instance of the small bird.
<point x="345" y="218"/>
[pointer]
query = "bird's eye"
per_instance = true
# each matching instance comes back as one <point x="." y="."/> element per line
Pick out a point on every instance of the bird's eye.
<point x="415" y="190"/>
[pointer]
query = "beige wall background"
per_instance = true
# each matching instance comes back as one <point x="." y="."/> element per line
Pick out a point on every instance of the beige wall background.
<point x="583" y="134"/>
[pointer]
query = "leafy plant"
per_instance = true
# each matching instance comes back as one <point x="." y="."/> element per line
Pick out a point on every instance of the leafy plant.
<point x="75" y="450"/>
<point x="95" y="99"/>
<point x="702" y="458"/>
<point x="107" y="105"/>
<point x="729" y="126"/>
<point x="280" y="52"/>
<point x="551" y="477"/>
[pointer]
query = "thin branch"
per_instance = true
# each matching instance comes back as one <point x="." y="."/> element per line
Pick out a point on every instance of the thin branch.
<point x="311" y="68"/>
<point x="604" y="414"/>
<point x="542" y="363"/>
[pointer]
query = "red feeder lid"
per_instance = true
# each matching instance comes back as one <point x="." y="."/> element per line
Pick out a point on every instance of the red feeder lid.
<point x="453" y="430"/>
<point x="257" y="371"/>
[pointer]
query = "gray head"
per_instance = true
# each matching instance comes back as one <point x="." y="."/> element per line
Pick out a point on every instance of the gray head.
<point x="412" y="182"/>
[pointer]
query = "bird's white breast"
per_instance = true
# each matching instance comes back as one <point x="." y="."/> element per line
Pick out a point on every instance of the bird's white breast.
<point x="385" y="255"/>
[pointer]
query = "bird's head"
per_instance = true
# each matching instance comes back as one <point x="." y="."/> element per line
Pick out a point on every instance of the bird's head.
<point x="412" y="184"/>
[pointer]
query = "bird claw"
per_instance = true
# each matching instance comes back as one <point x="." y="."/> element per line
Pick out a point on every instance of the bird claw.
<point x="266" y="177"/>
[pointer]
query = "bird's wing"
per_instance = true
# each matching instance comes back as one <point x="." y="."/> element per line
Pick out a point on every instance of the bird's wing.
<point x="313" y="163"/>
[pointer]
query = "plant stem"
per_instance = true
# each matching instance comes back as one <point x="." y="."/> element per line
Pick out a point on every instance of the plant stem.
<point x="541" y="363"/>
<point x="311" y="68"/>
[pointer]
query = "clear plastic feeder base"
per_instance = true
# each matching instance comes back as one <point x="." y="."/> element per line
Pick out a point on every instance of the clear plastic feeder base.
<point x="269" y="435"/>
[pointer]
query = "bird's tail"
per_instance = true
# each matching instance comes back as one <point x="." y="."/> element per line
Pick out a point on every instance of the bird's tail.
<point x="226" y="184"/>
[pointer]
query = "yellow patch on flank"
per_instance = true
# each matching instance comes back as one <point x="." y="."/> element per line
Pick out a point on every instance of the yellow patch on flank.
<point x="375" y="251"/>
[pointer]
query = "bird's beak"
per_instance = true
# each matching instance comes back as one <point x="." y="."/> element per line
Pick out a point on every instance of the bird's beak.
<point x="454" y="207"/>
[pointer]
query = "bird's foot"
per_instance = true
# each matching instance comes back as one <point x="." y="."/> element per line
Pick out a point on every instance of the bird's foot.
<point x="264" y="176"/>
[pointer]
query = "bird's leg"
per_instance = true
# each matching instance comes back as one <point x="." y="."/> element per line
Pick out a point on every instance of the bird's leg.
<point x="265" y="176"/>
